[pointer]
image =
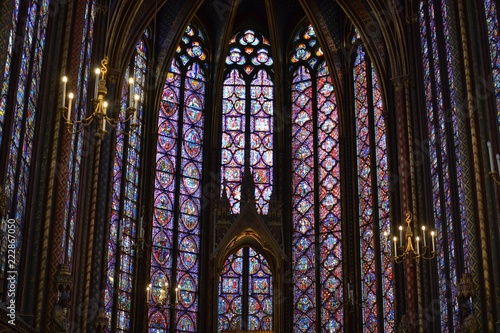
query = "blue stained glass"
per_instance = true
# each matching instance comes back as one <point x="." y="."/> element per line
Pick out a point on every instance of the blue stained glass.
<point x="239" y="111"/>
<point x="315" y="156"/>
<point x="180" y="125"/>
<point x="125" y="214"/>
<point x="22" y="130"/>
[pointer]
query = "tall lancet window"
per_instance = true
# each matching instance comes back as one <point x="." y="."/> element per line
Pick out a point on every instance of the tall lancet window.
<point x="446" y="142"/>
<point x="81" y="101"/>
<point x="247" y="119"/>
<point x="125" y="210"/>
<point x="373" y="194"/>
<point x="21" y="77"/>
<point x="316" y="215"/>
<point x="174" y="291"/>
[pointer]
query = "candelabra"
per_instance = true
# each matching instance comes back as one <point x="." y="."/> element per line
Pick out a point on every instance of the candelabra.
<point x="401" y="252"/>
<point x="100" y="113"/>
<point x="158" y="294"/>
<point x="493" y="173"/>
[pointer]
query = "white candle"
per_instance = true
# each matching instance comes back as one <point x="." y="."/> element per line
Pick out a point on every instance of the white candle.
<point x="96" y="90"/>
<point x="141" y="233"/>
<point x="395" y="246"/>
<point x="177" y="294"/>
<point x="70" y="97"/>
<point x="433" y="245"/>
<point x="64" y="81"/>
<point x="120" y="228"/>
<point x="148" y="293"/>
<point x="498" y="162"/>
<point x="104" y="108"/>
<point x="136" y="100"/>
<point x="162" y="291"/>
<point x="418" y="249"/>
<point x="130" y="91"/>
<point x="490" y="154"/>
<point x="423" y="235"/>
<point x="401" y="235"/>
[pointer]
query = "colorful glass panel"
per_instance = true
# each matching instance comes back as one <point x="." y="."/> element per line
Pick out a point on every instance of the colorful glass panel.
<point x="365" y="192"/>
<point x="491" y="11"/>
<point x="177" y="207"/>
<point x="245" y="293"/>
<point x="247" y="128"/>
<point x="382" y="172"/>
<point x="315" y="150"/>
<point x="74" y="167"/>
<point x="22" y="131"/>
<point x="441" y="151"/>
<point x="8" y="59"/>
<point x="125" y="211"/>
<point x="373" y="194"/>
<point x="261" y="138"/>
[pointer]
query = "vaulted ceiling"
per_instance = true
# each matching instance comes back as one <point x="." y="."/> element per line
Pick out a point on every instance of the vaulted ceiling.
<point x="381" y="24"/>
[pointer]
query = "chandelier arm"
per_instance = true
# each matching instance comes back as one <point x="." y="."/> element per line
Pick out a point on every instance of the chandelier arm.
<point x="495" y="177"/>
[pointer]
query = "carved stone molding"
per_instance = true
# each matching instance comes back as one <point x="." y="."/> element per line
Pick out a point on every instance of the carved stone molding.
<point x="400" y="81"/>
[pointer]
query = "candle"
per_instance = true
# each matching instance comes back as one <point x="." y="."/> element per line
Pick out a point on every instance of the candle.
<point x="423" y="235"/>
<point x="162" y="292"/>
<point x="395" y="246"/>
<point x="64" y="81"/>
<point x="120" y="229"/>
<point x="498" y="162"/>
<point x="490" y="154"/>
<point x="401" y="235"/>
<point x="70" y="96"/>
<point x="418" y="249"/>
<point x="130" y="91"/>
<point x="177" y="294"/>
<point x="148" y="293"/>
<point x="136" y="100"/>
<point x="104" y="108"/>
<point x="96" y="90"/>
<point x="141" y="233"/>
<point x="433" y="245"/>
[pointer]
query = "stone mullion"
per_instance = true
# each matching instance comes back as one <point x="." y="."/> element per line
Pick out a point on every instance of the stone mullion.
<point x="485" y="279"/>
<point x="466" y="158"/>
<point x="90" y="239"/>
<point x="62" y="169"/>
<point x="405" y="150"/>
<point x="53" y="180"/>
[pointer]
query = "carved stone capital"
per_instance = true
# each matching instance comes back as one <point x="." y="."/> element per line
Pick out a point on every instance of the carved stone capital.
<point x="400" y="81"/>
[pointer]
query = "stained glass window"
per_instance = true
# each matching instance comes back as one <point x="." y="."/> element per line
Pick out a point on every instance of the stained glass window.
<point x="491" y="9"/>
<point x="18" y="118"/>
<point x="373" y="193"/>
<point x="247" y="119"/>
<point x="125" y="213"/>
<point x="445" y="154"/>
<point x="8" y="60"/>
<point x="245" y="292"/>
<point x="316" y="215"/>
<point x="177" y="205"/>
<point x="81" y="101"/>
